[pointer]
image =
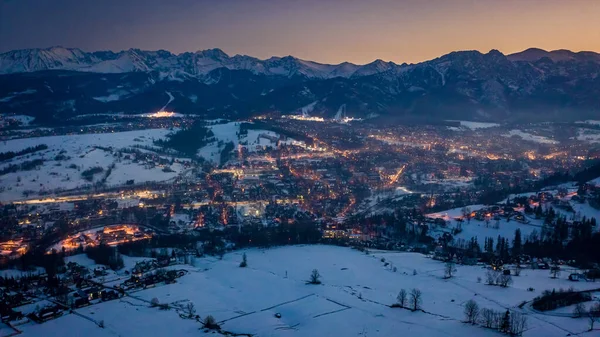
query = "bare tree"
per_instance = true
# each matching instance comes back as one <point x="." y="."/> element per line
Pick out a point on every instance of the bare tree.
<point x="450" y="269"/>
<point x="505" y="280"/>
<point x="593" y="315"/>
<point x="491" y="277"/>
<point x="518" y="323"/>
<point x="416" y="299"/>
<point x="402" y="298"/>
<point x="487" y="318"/>
<point x="315" y="277"/>
<point x="555" y="270"/>
<point x="471" y="311"/>
<point x="466" y="212"/>
<point x="518" y="269"/>
<point x="579" y="310"/>
<point x="190" y="310"/>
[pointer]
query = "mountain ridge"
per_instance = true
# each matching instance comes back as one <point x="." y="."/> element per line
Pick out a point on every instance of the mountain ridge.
<point x="203" y="61"/>
<point x="196" y="63"/>
<point x="530" y="85"/>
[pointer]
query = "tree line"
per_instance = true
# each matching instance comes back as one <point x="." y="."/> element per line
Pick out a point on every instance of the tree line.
<point x="24" y="166"/>
<point x="10" y="154"/>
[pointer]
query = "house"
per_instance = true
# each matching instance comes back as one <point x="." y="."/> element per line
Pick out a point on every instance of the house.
<point x="90" y="293"/>
<point x="107" y="295"/>
<point x="100" y="271"/>
<point x="9" y="314"/>
<point x="46" y="314"/>
<point x="81" y="302"/>
<point x="575" y="277"/>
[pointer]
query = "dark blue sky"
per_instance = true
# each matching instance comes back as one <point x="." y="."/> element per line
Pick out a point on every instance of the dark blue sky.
<point x="323" y="30"/>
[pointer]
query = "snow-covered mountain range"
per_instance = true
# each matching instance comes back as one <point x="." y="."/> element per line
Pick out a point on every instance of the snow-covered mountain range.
<point x="169" y="64"/>
<point x="55" y="83"/>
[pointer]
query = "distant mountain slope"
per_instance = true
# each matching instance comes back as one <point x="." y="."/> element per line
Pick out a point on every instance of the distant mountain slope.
<point x="535" y="54"/>
<point x="57" y="83"/>
<point x="195" y="64"/>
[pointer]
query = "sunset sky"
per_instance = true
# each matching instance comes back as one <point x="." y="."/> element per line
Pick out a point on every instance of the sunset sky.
<point x="329" y="31"/>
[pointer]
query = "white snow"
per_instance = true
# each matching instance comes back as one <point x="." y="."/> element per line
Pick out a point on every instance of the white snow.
<point x="306" y="110"/>
<point x="590" y="136"/>
<point x="353" y="300"/>
<point x="476" y="125"/>
<point x="341" y="113"/>
<point x="15" y="94"/>
<point x="229" y="132"/>
<point x="589" y="121"/>
<point x="480" y="229"/>
<point x="530" y="137"/>
<point x="171" y="98"/>
<point x="109" y="98"/>
<point x="83" y="153"/>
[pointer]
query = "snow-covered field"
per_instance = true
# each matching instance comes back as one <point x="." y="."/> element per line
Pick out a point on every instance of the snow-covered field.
<point x="230" y="132"/>
<point x="475" y="125"/>
<point x="371" y="203"/>
<point x="590" y="136"/>
<point x="530" y="137"/>
<point x="590" y="121"/>
<point x="352" y="301"/>
<point x="76" y="153"/>
<point x="481" y="229"/>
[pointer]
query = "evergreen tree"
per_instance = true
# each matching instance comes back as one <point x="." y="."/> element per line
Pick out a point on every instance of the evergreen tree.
<point x="517" y="245"/>
<point x="505" y="324"/>
<point x="538" y="211"/>
<point x="490" y="246"/>
<point x="499" y="247"/>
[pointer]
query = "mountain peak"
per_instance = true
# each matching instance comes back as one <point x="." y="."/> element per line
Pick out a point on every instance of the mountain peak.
<point x="215" y="53"/>
<point x="495" y="52"/>
<point x="201" y="62"/>
<point x="559" y="55"/>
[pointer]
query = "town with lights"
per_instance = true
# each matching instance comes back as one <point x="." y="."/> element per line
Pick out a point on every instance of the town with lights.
<point x="182" y="188"/>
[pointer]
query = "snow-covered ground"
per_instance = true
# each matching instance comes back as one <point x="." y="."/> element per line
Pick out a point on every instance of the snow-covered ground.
<point x="68" y="156"/>
<point x="109" y="98"/>
<point x="82" y="259"/>
<point x="224" y="133"/>
<point x="352" y="301"/>
<point x="21" y="120"/>
<point x="449" y="183"/>
<point x="371" y="203"/>
<point x="481" y="229"/>
<point x="590" y="136"/>
<point x="530" y="137"/>
<point x="475" y="125"/>
<point x="15" y="94"/>
<point x="589" y="121"/>
<point x="230" y="132"/>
